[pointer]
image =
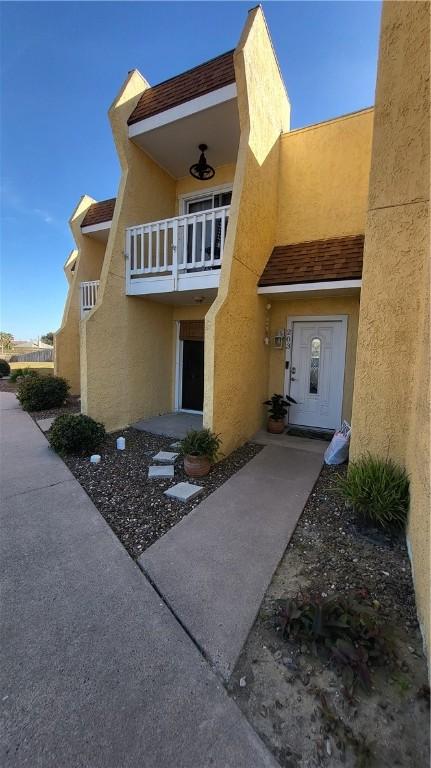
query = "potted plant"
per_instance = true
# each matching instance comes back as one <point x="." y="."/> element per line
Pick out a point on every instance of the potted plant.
<point x="278" y="407"/>
<point x="200" y="449"/>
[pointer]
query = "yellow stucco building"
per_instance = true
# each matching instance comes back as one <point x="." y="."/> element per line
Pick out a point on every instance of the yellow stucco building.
<point x="206" y="289"/>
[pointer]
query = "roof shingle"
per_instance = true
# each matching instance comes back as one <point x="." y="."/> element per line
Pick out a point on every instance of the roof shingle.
<point x="99" y="212"/>
<point x="189" y="85"/>
<point x="338" y="258"/>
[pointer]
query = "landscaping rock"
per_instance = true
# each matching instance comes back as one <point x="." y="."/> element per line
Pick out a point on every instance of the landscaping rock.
<point x="165" y="457"/>
<point x="183" y="491"/>
<point x="156" y="472"/>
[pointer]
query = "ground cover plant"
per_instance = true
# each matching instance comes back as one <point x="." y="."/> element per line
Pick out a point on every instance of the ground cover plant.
<point x="76" y="434"/>
<point x="378" y="489"/>
<point x="344" y="630"/>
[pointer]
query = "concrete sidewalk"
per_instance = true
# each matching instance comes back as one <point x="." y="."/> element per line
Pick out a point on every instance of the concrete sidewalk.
<point x="213" y="568"/>
<point x="96" y="671"/>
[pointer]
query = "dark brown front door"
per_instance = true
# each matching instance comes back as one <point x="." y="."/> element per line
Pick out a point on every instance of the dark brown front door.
<point x="193" y="376"/>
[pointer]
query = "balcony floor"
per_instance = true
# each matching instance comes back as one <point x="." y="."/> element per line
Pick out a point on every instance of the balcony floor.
<point x="171" y="424"/>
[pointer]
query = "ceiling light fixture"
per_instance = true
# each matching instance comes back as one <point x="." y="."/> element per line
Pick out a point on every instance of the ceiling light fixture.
<point x="202" y="170"/>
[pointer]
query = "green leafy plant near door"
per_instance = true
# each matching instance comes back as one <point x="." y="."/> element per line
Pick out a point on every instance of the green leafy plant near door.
<point x="278" y="407"/>
<point x="378" y="489"/>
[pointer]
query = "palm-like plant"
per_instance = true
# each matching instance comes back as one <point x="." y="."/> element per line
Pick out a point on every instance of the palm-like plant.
<point x="278" y="406"/>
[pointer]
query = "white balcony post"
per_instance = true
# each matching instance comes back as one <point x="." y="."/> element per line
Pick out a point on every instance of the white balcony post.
<point x="175" y="254"/>
<point x="88" y="295"/>
<point x="128" y="255"/>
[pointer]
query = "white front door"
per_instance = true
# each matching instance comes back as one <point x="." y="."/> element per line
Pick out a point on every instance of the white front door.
<point x="316" y="372"/>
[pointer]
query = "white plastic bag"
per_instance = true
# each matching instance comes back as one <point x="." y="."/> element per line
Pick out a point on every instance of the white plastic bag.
<point x="337" y="451"/>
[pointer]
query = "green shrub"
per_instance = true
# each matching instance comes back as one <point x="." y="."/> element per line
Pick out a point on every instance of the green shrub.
<point x="76" y="433"/>
<point x="201" y="442"/>
<point x="378" y="489"/>
<point x="18" y="372"/>
<point x="4" y="368"/>
<point x="37" y="393"/>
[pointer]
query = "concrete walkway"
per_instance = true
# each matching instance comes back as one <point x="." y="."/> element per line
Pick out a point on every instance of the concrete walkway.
<point x="290" y="441"/>
<point x="213" y="568"/>
<point x="171" y="424"/>
<point x="96" y="672"/>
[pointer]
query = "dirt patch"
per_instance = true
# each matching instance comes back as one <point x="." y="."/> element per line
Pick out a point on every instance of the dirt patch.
<point x="134" y="506"/>
<point x="294" y="700"/>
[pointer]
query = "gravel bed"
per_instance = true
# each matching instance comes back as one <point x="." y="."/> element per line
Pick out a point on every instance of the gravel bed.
<point x="279" y="684"/>
<point x="72" y="405"/>
<point x="134" y="506"/>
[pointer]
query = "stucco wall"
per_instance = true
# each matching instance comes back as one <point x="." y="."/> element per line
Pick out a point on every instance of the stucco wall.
<point x="88" y="264"/>
<point x="340" y="305"/>
<point x="126" y="342"/>
<point x="324" y="172"/>
<point x="391" y="400"/>
<point x="188" y="185"/>
<point x="236" y="360"/>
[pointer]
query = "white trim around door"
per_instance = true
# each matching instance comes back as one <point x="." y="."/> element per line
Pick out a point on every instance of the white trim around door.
<point x="178" y="395"/>
<point x="324" y="407"/>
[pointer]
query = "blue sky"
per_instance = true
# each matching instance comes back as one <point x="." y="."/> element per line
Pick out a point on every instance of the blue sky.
<point x="62" y="64"/>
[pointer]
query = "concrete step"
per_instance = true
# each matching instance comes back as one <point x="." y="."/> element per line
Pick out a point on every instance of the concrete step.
<point x="183" y="491"/>
<point x="157" y="472"/>
<point x="165" y="457"/>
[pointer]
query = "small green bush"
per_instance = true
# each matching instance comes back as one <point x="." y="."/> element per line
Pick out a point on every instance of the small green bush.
<point x="37" y="393"/>
<point x="18" y="372"/>
<point x="378" y="489"/>
<point x="76" y="433"/>
<point x="4" y="368"/>
<point x="201" y="442"/>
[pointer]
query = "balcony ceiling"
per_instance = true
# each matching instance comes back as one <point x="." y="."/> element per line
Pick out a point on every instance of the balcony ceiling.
<point x="174" y="143"/>
<point x="98" y="231"/>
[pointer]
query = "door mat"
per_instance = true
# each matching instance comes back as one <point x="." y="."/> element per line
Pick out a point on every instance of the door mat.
<point x="312" y="434"/>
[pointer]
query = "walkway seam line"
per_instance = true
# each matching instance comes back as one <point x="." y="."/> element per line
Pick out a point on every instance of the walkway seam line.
<point x="183" y="626"/>
<point x="38" y="488"/>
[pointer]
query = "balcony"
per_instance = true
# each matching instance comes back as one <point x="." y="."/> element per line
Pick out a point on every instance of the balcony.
<point x="88" y="292"/>
<point x="182" y="254"/>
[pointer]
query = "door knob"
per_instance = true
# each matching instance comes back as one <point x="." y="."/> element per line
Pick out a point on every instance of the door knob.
<point x="292" y="379"/>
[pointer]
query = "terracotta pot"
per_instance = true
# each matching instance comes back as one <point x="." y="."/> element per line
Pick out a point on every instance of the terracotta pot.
<point x="196" y="466"/>
<point x="275" y="426"/>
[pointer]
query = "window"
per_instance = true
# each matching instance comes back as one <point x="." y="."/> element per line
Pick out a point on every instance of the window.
<point x="314" y="366"/>
<point x="213" y="200"/>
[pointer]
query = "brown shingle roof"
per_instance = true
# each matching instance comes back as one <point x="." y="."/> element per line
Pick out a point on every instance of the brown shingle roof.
<point x="189" y="85"/>
<point x="339" y="258"/>
<point x="99" y="212"/>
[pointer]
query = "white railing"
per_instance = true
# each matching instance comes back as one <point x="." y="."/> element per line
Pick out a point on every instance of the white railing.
<point x="190" y="243"/>
<point x="88" y="292"/>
